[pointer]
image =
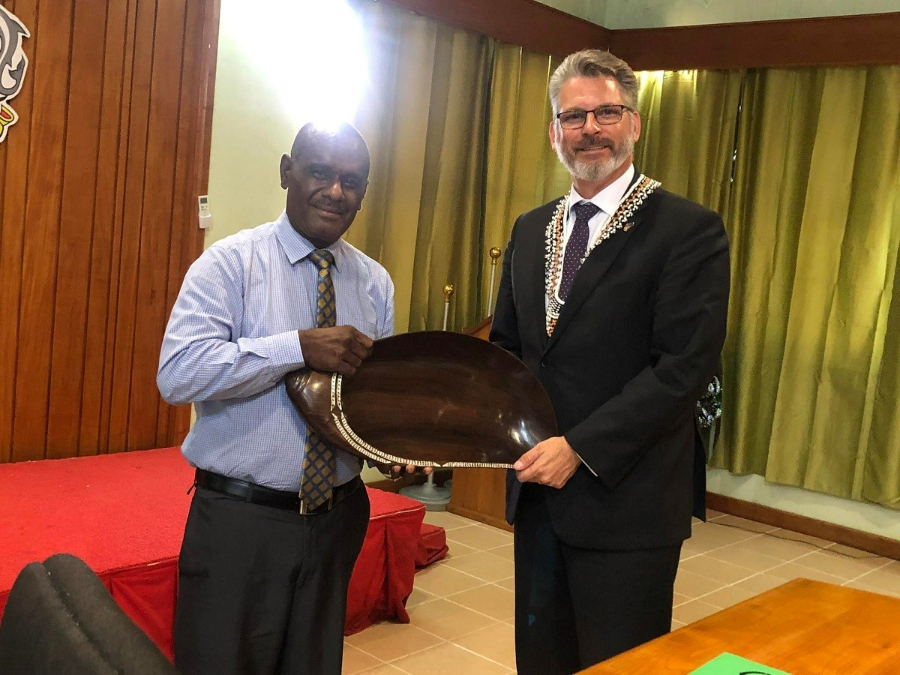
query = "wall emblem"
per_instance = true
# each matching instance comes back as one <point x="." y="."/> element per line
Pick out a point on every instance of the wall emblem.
<point x="13" y="64"/>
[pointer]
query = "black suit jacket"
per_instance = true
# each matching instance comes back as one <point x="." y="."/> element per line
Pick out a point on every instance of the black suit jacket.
<point x="638" y="339"/>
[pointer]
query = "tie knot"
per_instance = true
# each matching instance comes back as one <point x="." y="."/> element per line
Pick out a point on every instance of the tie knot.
<point x="322" y="257"/>
<point x="585" y="210"/>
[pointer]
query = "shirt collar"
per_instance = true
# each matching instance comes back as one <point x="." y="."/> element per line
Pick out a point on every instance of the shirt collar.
<point x="297" y="247"/>
<point x="609" y="197"/>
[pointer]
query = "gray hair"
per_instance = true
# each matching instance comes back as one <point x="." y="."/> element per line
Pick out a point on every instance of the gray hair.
<point x="594" y="63"/>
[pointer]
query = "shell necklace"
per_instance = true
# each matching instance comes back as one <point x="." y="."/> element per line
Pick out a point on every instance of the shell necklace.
<point x="642" y="188"/>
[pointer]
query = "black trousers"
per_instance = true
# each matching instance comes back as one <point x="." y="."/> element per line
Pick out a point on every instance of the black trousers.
<point x="576" y="607"/>
<point x="263" y="590"/>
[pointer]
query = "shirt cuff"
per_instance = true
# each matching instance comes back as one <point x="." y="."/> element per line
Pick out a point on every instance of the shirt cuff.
<point x="282" y="350"/>
<point x="586" y="464"/>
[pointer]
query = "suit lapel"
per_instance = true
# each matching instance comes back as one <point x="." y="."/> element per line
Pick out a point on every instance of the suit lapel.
<point x="592" y="272"/>
<point x="535" y="262"/>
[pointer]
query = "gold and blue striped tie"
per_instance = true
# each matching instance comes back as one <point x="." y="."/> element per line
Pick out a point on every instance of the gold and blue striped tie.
<point x="319" y="465"/>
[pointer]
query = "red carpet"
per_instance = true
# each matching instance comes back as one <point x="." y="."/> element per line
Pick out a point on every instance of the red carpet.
<point x="124" y="515"/>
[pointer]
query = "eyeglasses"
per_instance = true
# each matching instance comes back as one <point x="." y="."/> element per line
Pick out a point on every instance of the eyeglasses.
<point x="604" y="114"/>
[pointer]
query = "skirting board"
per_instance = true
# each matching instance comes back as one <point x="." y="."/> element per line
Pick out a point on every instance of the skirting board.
<point x="864" y="541"/>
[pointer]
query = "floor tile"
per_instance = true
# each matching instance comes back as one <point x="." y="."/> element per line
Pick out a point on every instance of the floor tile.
<point x="709" y="536"/>
<point x="418" y="596"/>
<point x="694" y="611"/>
<point x="356" y="661"/>
<point x="455" y="549"/>
<point x="447" y="619"/>
<point x="443" y="579"/>
<point x="855" y="553"/>
<point x="508" y="584"/>
<point x="892" y="568"/>
<point x="503" y="551"/>
<point x="693" y="585"/>
<point x="880" y="581"/>
<point x="449" y="659"/>
<point x="448" y="521"/>
<point x="492" y="600"/>
<point x="791" y="570"/>
<point x="687" y="553"/>
<point x="780" y="545"/>
<point x="839" y="565"/>
<point x="495" y="642"/>
<point x="385" y="669"/>
<point x="483" y="565"/>
<point x="743" y="590"/>
<point x="717" y="570"/>
<point x="388" y="641"/>
<point x="479" y="537"/>
<point x="815" y="542"/>
<point x="752" y="554"/>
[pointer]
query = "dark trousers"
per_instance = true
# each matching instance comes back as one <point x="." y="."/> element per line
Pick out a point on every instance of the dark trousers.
<point x="263" y="590"/>
<point x="576" y="607"/>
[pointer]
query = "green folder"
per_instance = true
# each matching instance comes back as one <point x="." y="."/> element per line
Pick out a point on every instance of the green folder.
<point x="729" y="664"/>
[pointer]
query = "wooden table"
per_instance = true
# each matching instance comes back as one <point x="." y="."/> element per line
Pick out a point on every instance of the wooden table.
<point x="803" y="627"/>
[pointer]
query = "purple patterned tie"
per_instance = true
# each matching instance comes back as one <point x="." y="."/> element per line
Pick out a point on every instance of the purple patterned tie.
<point x="577" y="245"/>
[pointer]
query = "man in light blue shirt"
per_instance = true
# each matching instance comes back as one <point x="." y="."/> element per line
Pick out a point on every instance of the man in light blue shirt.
<point x="263" y="574"/>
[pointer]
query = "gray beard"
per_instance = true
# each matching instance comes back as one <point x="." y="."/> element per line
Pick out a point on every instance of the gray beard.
<point x="597" y="170"/>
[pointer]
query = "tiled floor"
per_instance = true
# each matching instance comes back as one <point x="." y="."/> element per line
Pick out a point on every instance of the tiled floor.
<point x="462" y="607"/>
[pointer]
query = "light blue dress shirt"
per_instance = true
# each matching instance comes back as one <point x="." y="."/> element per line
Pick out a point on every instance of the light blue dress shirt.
<point x="232" y="337"/>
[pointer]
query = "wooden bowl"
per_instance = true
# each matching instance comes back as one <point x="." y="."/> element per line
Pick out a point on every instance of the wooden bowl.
<point x="431" y="398"/>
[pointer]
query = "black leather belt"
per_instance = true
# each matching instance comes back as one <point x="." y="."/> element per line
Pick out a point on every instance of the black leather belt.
<point x="279" y="499"/>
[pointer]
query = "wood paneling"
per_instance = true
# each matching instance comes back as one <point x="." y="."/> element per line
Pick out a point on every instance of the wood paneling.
<point x="535" y="26"/>
<point x="834" y="41"/>
<point x="98" y="181"/>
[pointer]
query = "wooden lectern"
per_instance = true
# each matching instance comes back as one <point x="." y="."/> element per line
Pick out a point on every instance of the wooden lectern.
<point x="480" y="494"/>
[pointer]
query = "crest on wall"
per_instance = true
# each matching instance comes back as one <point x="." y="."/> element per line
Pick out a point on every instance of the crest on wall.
<point x="13" y="64"/>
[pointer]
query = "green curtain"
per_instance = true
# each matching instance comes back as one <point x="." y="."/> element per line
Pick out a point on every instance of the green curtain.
<point x="522" y="171"/>
<point x="424" y="118"/>
<point x="688" y="120"/>
<point x="811" y="357"/>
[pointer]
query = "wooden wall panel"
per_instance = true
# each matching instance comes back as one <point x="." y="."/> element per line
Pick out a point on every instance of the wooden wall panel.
<point x="98" y="182"/>
<point x="156" y="233"/>
<point x="102" y="269"/>
<point x="866" y="39"/>
<point x="49" y="68"/>
<point x="119" y="230"/>
<point x="535" y="26"/>
<point x="73" y="271"/>
<point x="14" y="167"/>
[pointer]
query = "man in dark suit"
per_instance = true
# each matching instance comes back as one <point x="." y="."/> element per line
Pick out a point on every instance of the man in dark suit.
<point x="615" y="296"/>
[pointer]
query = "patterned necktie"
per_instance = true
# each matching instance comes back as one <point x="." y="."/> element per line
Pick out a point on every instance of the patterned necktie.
<point x="319" y="464"/>
<point x="577" y="245"/>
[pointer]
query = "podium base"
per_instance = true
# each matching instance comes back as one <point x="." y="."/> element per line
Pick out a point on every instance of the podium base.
<point x="433" y="497"/>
